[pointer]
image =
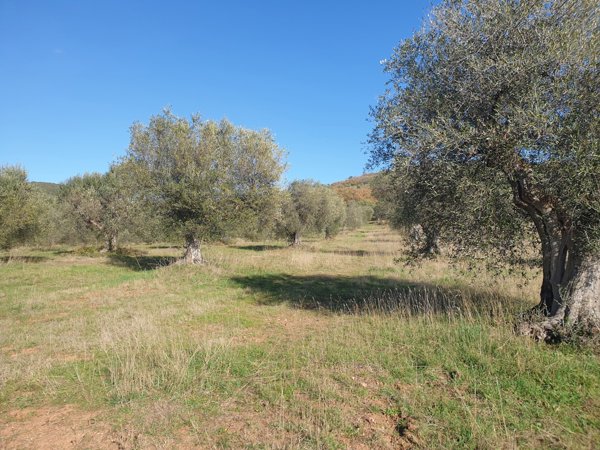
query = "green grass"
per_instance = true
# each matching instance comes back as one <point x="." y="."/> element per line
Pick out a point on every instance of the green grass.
<point x="332" y="345"/>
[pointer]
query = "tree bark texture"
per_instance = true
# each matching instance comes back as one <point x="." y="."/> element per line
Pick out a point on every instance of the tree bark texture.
<point x="193" y="254"/>
<point x="111" y="243"/>
<point x="570" y="291"/>
<point x="295" y="239"/>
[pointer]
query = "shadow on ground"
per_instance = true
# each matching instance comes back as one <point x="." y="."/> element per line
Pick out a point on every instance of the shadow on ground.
<point x="164" y="246"/>
<point x="140" y="263"/>
<point x="372" y="294"/>
<point x="23" y="259"/>
<point x="259" y="248"/>
<point x="351" y="252"/>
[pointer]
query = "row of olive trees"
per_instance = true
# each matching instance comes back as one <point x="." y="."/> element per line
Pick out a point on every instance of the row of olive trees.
<point x="190" y="179"/>
<point x="85" y="208"/>
<point x="210" y="180"/>
<point x="308" y="207"/>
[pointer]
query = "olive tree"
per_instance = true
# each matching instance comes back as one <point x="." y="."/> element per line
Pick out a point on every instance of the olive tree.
<point x="492" y="116"/>
<point x="103" y="203"/>
<point x="20" y="207"/>
<point x="204" y="177"/>
<point x="332" y="212"/>
<point x="310" y="207"/>
<point x="383" y="190"/>
<point x="358" y="214"/>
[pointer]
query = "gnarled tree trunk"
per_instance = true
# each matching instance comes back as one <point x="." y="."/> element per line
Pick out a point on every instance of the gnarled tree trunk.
<point x="295" y="239"/>
<point x="582" y="307"/>
<point x="111" y="243"/>
<point x="431" y="244"/>
<point x="570" y="292"/>
<point x="424" y="240"/>
<point x="192" y="254"/>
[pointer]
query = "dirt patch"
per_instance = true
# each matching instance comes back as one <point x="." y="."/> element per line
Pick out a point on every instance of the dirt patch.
<point x="244" y="428"/>
<point x="23" y="352"/>
<point x="53" y="428"/>
<point x="48" y="318"/>
<point x="378" y="430"/>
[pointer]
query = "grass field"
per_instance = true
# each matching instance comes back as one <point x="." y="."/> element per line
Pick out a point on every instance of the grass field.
<point x="332" y="345"/>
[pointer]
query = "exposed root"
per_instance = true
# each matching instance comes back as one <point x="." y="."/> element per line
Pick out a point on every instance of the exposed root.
<point x="186" y="262"/>
<point x="553" y="330"/>
<point x="550" y="331"/>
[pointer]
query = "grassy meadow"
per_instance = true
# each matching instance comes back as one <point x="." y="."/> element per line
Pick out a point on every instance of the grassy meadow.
<point x="331" y="345"/>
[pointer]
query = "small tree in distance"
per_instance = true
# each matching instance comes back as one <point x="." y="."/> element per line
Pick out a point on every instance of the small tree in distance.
<point x="357" y="214"/>
<point x="332" y="215"/>
<point x="204" y="177"/>
<point x="103" y="203"/>
<point x="310" y="207"/>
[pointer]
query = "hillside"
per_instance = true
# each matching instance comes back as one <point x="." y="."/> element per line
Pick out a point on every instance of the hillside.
<point x="356" y="188"/>
<point x="48" y="188"/>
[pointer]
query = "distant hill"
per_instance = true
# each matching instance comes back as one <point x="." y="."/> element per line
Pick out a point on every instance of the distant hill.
<point x="356" y="188"/>
<point x="48" y="188"/>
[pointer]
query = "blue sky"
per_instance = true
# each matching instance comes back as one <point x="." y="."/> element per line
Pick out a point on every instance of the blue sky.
<point x="74" y="75"/>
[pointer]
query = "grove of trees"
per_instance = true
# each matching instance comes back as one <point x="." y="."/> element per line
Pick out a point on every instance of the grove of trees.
<point x="488" y="131"/>
<point x="310" y="207"/>
<point x="187" y="179"/>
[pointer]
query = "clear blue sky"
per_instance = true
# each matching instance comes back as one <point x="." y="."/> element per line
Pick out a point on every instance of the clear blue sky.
<point x="74" y="75"/>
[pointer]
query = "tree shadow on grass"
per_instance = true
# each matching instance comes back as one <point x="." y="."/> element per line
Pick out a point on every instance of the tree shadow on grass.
<point x="364" y="294"/>
<point x="141" y="263"/>
<point x="352" y="252"/>
<point x="23" y="259"/>
<point x="259" y="248"/>
<point x="63" y="252"/>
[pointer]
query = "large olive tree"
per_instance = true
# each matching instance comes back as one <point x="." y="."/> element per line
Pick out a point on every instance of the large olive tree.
<point x="204" y="177"/>
<point x="491" y="117"/>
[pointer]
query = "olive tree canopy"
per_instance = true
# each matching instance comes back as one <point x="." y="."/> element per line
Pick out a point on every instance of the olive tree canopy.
<point x="491" y="117"/>
<point x="310" y="207"/>
<point x="20" y="207"/>
<point x="103" y="203"/>
<point x="204" y="177"/>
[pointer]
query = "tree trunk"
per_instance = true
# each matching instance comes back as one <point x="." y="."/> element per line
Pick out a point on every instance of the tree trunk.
<point x="192" y="254"/>
<point x="295" y="239"/>
<point x="432" y="242"/>
<point x="570" y="291"/>
<point x="111" y="243"/>
<point x="424" y="240"/>
<point x="581" y="306"/>
<point x="331" y="232"/>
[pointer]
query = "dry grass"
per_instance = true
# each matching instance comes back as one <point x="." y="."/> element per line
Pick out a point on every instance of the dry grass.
<point x="332" y="345"/>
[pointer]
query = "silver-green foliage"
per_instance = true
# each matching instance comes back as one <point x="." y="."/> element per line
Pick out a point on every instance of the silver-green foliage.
<point x="205" y="178"/>
<point x="491" y="123"/>
<point x="358" y="214"/>
<point x="21" y="207"/>
<point x="309" y="207"/>
<point x="103" y="203"/>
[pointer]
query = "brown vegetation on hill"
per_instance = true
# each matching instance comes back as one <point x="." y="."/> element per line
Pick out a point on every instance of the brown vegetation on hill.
<point x="356" y="189"/>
